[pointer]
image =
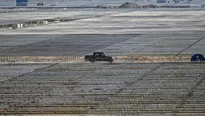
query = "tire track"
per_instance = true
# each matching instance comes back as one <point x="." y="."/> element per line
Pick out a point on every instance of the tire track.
<point x="46" y="42"/>
<point x="190" y="46"/>
<point x="188" y="95"/>
<point x="129" y="84"/>
<point x="28" y="46"/>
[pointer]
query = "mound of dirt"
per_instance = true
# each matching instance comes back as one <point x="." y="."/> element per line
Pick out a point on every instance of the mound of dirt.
<point x="129" y="5"/>
<point x="156" y="58"/>
<point x="45" y="59"/>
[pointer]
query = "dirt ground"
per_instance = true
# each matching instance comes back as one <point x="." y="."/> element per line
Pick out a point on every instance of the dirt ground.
<point x="48" y="59"/>
<point x="169" y="58"/>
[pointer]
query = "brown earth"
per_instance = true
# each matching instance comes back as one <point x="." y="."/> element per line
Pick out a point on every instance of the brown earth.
<point x="170" y="58"/>
<point x="39" y="58"/>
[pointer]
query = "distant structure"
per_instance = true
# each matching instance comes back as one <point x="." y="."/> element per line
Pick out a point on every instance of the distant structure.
<point x="161" y="1"/>
<point x="109" y="3"/>
<point x="21" y="2"/>
<point x="40" y="4"/>
<point x="129" y="5"/>
<point x="174" y="1"/>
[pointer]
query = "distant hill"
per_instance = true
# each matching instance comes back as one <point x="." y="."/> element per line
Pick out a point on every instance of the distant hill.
<point x="129" y="5"/>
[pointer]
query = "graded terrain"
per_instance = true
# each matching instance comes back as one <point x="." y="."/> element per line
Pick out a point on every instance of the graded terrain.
<point x="34" y="81"/>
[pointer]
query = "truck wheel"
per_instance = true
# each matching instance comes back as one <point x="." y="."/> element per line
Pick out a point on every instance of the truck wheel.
<point x="110" y="61"/>
<point x="92" y="60"/>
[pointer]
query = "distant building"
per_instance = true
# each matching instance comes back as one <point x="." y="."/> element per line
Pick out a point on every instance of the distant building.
<point x="174" y="1"/>
<point x="93" y="2"/>
<point x="161" y="1"/>
<point x="21" y="2"/>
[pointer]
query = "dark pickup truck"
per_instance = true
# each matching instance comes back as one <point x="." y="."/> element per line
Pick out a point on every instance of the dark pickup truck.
<point x="98" y="56"/>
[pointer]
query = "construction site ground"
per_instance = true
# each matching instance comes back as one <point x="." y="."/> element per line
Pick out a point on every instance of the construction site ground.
<point x="42" y="70"/>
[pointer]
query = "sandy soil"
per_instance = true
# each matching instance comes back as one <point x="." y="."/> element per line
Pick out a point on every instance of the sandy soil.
<point x="77" y="59"/>
<point x="170" y="58"/>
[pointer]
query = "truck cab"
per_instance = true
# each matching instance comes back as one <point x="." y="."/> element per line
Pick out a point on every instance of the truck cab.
<point x="99" y="56"/>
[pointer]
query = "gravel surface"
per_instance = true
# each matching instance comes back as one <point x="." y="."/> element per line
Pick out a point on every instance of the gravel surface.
<point x="161" y="89"/>
<point x="103" y="88"/>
